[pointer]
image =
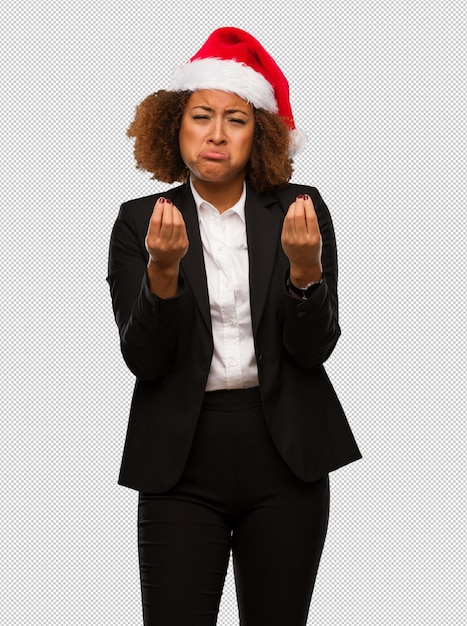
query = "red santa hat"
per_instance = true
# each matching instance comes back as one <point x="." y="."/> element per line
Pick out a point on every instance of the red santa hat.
<point x="233" y="60"/>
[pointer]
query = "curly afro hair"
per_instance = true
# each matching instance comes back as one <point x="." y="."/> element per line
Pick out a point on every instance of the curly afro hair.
<point x="156" y="126"/>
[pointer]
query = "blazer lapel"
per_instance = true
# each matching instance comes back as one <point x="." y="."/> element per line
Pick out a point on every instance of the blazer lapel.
<point x="192" y="264"/>
<point x="264" y="219"/>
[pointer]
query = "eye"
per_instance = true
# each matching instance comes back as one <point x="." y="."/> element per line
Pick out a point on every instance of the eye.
<point x="237" y="120"/>
<point x="200" y="117"/>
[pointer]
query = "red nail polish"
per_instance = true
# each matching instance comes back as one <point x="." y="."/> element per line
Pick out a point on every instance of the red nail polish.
<point x="300" y="196"/>
<point x="168" y="200"/>
<point x="306" y="197"/>
<point x="161" y="200"/>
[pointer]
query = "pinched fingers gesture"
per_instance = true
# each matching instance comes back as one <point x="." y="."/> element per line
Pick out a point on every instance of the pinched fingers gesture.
<point x="166" y="239"/>
<point x="301" y="239"/>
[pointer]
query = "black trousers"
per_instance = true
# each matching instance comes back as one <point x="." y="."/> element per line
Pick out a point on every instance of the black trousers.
<point x="236" y="494"/>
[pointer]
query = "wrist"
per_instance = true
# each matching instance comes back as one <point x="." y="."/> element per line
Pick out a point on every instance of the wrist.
<point x="163" y="281"/>
<point x="162" y="271"/>
<point x="302" y="278"/>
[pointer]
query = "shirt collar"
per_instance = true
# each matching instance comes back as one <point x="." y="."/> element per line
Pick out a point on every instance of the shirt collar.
<point x="238" y="207"/>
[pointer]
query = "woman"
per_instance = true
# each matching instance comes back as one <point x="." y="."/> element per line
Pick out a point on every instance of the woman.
<point x="224" y="292"/>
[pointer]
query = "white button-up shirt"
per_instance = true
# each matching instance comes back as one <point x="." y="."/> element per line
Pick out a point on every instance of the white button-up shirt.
<point x="225" y="251"/>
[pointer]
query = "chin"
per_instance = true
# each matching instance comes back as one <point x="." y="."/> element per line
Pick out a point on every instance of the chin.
<point x="213" y="177"/>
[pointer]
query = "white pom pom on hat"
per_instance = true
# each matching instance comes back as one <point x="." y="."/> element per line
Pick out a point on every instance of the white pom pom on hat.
<point x="233" y="60"/>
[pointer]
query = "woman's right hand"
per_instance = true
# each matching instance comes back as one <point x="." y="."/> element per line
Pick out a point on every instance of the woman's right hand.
<point x="166" y="243"/>
<point x="166" y="239"/>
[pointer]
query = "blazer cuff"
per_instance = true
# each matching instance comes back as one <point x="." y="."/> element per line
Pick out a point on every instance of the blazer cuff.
<point x="153" y="300"/>
<point x="313" y="302"/>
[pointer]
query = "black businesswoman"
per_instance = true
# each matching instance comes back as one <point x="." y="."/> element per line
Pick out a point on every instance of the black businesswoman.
<point x="224" y="290"/>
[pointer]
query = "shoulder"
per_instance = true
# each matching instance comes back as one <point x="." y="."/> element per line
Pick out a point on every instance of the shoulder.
<point x="140" y="209"/>
<point x="286" y="195"/>
<point x="139" y="204"/>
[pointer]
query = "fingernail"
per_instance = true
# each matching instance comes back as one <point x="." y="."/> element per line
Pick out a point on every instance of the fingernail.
<point x="168" y="200"/>
<point x="161" y="200"/>
<point x="300" y="196"/>
<point x="306" y="197"/>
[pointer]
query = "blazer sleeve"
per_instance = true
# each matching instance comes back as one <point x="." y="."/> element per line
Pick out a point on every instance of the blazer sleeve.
<point x="147" y="324"/>
<point x="311" y="327"/>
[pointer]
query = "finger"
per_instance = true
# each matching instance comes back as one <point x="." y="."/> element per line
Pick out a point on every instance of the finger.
<point x="299" y="205"/>
<point x="154" y="226"/>
<point x="179" y="228"/>
<point x="167" y="223"/>
<point x="299" y="216"/>
<point x="308" y="204"/>
<point x="287" y="225"/>
<point x="156" y="216"/>
<point x="155" y="222"/>
<point x="309" y="209"/>
<point x="310" y="215"/>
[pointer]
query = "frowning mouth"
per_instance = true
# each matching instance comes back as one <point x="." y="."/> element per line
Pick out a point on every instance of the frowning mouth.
<point x="214" y="155"/>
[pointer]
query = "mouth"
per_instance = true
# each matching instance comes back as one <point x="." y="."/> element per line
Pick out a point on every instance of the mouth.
<point x="214" y="155"/>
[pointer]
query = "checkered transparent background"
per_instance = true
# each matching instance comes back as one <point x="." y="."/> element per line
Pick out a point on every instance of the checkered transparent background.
<point x="381" y="90"/>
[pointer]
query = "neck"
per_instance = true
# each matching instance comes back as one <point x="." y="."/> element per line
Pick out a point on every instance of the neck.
<point x="221" y="195"/>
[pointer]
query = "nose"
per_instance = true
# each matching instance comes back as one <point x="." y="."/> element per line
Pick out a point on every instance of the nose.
<point x="217" y="136"/>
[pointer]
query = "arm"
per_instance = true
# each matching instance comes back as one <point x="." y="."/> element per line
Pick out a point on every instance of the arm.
<point x="147" y="321"/>
<point x="311" y="327"/>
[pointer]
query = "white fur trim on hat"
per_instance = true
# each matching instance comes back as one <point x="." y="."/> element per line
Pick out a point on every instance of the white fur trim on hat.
<point x="298" y="140"/>
<point x="225" y="75"/>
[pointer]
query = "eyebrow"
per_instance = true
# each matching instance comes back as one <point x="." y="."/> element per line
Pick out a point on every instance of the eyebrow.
<point x="227" y="111"/>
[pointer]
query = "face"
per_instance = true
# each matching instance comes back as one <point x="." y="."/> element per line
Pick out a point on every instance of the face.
<point x="216" y="136"/>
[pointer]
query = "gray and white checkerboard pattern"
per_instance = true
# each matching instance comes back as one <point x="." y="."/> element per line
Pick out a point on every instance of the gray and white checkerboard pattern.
<point x="381" y="90"/>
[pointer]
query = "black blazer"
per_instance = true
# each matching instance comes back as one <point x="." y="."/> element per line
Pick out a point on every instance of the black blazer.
<point x="168" y="343"/>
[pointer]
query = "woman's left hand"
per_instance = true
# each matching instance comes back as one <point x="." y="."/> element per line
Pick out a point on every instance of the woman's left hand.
<point x="301" y="241"/>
